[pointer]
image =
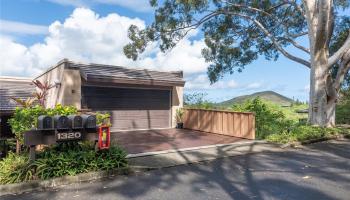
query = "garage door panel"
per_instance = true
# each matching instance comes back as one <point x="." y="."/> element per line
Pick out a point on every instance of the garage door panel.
<point x="125" y="104"/>
<point x="130" y="109"/>
<point x="140" y="113"/>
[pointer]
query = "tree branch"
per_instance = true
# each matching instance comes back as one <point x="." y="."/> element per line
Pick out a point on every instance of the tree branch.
<point x="295" y="44"/>
<point x="298" y="7"/>
<point x="248" y="8"/>
<point x="342" y="71"/>
<point x="339" y="54"/>
<point x="297" y="35"/>
<point x="271" y="37"/>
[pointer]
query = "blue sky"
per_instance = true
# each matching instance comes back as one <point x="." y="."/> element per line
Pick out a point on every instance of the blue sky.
<point x="35" y="34"/>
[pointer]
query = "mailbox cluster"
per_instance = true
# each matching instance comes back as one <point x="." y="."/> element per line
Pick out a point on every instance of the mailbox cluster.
<point x="60" y="128"/>
<point x="71" y="127"/>
<point x="65" y="123"/>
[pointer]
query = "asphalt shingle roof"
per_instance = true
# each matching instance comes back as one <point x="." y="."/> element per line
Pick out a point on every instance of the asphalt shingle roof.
<point x="117" y="72"/>
<point x="14" y="87"/>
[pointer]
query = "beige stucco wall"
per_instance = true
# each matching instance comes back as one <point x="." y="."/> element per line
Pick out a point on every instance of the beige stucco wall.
<point x="68" y="92"/>
<point x="177" y="102"/>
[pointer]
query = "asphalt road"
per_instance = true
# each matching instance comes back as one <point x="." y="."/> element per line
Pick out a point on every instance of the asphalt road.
<point x="322" y="171"/>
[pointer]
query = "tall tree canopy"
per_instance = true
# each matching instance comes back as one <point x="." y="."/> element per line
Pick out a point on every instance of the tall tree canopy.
<point x="237" y="32"/>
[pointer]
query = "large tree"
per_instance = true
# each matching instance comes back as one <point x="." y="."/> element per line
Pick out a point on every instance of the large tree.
<point x="237" y="32"/>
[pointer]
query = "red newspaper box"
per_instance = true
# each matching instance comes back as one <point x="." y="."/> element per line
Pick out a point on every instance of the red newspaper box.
<point x="104" y="137"/>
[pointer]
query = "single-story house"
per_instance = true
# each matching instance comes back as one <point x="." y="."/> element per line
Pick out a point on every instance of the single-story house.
<point x="137" y="99"/>
<point x="17" y="87"/>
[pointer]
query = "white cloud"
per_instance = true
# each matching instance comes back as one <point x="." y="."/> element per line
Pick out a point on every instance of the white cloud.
<point x="15" y="58"/>
<point x="87" y="37"/>
<point x="202" y="82"/>
<point x="7" y="26"/>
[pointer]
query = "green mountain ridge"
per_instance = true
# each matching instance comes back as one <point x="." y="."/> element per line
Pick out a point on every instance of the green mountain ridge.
<point x="266" y="95"/>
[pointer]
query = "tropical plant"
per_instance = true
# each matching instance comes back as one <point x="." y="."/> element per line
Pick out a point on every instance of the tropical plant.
<point x="56" y="161"/>
<point x="179" y="115"/>
<point x="238" y="32"/>
<point x="25" y="103"/>
<point x="43" y="91"/>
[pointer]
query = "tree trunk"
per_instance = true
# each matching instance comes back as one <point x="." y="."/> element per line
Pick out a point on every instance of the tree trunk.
<point x="18" y="147"/>
<point x="323" y="95"/>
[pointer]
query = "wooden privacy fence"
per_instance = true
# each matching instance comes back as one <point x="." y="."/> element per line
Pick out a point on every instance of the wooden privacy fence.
<point x="238" y="124"/>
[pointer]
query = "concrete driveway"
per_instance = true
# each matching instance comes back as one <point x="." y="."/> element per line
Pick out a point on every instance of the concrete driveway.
<point x="320" y="171"/>
<point x="142" y="141"/>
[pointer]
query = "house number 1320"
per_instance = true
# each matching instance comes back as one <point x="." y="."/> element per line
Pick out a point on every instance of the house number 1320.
<point x="68" y="136"/>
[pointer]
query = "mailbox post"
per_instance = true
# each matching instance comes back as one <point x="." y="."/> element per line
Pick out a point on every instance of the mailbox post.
<point x="58" y="129"/>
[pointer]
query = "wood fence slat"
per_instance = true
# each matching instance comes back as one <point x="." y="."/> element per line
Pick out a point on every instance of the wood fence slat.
<point x="221" y="122"/>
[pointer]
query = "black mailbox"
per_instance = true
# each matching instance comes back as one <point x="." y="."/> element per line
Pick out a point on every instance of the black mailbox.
<point x="45" y="123"/>
<point x="89" y="121"/>
<point x="61" y="122"/>
<point x="75" y="121"/>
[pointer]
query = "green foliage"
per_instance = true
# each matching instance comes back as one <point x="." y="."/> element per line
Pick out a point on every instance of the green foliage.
<point x="15" y="168"/>
<point x="197" y="100"/>
<point x="25" y="119"/>
<point x="343" y="110"/>
<point x="283" y="125"/>
<point x="269" y="118"/>
<point x="305" y="133"/>
<point x="72" y="161"/>
<point x="60" y="161"/>
<point x="236" y="33"/>
<point x="103" y="119"/>
<point x="179" y="115"/>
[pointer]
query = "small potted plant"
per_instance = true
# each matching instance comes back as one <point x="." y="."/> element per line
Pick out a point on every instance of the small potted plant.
<point x="179" y="118"/>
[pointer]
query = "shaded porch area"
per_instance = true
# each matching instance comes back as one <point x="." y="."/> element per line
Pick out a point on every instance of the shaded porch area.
<point x="143" y="141"/>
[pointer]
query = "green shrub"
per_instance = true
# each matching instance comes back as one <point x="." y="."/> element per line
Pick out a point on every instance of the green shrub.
<point x="343" y="113"/>
<point x="269" y="119"/>
<point x="25" y="119"/>
<point x="15" y="168"/>
<point x="103" y="119"/>
<point x="59" y="160"/>
<point x="53" y="163"/>
<point x="305" y="133"/>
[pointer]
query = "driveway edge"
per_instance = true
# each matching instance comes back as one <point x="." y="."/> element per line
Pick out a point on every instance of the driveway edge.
<point x="36" y="185"/>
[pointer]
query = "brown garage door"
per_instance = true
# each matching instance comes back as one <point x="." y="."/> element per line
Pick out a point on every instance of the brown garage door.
<point x="130" y="109"/>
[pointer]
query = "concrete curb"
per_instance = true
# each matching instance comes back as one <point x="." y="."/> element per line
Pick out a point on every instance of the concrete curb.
<point x="17" y="188"/>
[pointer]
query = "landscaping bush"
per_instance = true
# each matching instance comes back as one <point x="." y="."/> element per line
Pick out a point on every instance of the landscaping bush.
<point x="59" y="160"/>
<point x="15" y="168"/>
<point x="343" y="113"/>
<point x="269" y="119"/>
<point x="25" y="119"/>
<point x="306" y="133"/>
